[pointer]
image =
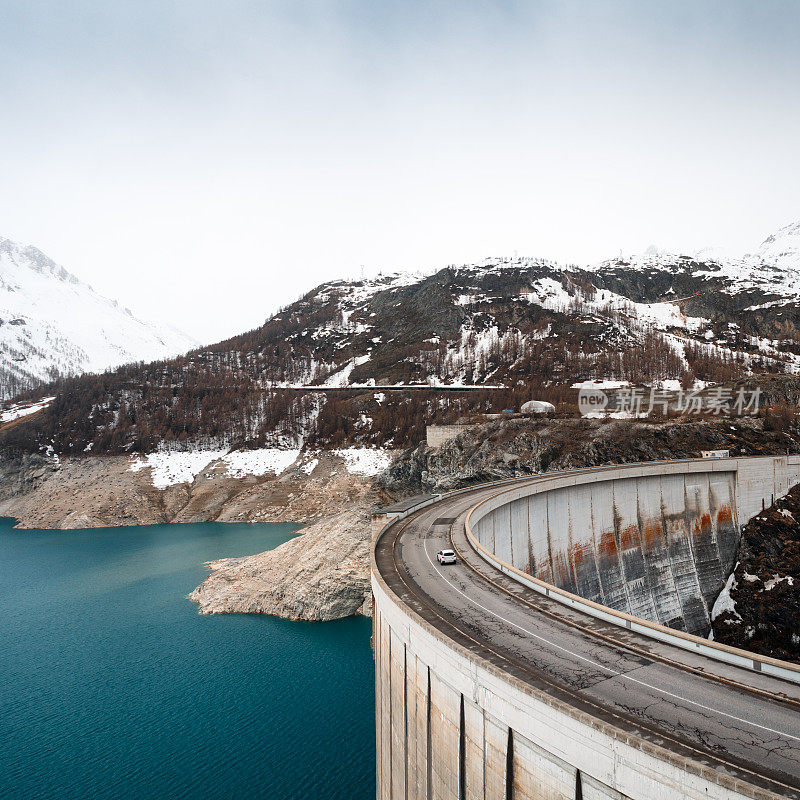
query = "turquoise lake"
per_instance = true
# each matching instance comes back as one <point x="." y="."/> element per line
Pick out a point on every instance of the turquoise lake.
<point x="113" y="686"/>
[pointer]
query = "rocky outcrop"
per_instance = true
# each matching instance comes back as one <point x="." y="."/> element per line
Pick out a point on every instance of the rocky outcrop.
<point x="322" y="574"/>
<point x="508" y="448"/>
<point x="23" y="473"/>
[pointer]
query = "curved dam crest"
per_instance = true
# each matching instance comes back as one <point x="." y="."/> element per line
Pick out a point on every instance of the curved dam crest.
<point x="658" y="547"/>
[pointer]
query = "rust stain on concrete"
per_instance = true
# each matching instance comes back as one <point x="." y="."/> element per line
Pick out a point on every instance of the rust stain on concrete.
<point x="629" y="537"/>
<point x="652" y="534"/>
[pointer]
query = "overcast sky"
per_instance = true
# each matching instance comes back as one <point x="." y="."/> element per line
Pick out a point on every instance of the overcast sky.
<point x="205" y="162"/>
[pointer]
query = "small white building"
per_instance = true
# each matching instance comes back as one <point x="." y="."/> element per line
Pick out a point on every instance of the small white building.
<point x="537" y="407"/>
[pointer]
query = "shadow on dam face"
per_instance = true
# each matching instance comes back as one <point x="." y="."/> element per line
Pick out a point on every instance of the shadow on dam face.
<point x="660" y="547"/>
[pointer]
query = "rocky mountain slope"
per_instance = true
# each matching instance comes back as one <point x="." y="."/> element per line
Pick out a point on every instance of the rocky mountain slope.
<point x="52" y="324"/>
<point x="329" y="368"/>
<point x="759" y="609"/>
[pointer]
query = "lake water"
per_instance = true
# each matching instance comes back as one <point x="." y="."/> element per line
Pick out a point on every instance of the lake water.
<point x="113" y="686"/>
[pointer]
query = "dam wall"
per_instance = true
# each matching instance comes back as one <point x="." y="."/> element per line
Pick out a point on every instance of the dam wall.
<point x="451" y="725"/>
<point x="654" y="541"/>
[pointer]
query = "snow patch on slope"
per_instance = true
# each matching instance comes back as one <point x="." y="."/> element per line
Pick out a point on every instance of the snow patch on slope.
<point x="169" y="468"/>
<point x="342" y="377"/>
<point x="724" y="601"/>
<point x="17" y="410"/>
<point x="367" y="461"/>
<point x="772" y="582"/>
<point x="259" y="462"/>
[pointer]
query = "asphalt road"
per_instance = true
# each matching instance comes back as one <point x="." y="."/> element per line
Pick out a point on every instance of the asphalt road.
<point x="741" y="722"/>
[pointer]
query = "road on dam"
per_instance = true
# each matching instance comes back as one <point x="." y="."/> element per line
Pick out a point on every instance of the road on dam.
<point x="743" y="723"/>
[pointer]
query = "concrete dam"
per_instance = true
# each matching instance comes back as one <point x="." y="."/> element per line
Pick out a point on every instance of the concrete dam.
<point x="564" y="656"/>
<point x="659" y="547"/>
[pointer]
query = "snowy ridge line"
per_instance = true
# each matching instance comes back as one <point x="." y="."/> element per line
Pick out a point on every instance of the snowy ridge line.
<point x="562" y="293"/>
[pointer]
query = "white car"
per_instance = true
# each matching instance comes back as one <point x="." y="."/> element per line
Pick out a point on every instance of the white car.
<point x="446" y="557"/>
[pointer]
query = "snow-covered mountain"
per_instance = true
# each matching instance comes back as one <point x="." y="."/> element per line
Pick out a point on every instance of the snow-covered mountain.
<point x="772" y="268"/>
<point x="783" y="248"/>
<point x="52" y="324"/>
<point x="365" y="361"/>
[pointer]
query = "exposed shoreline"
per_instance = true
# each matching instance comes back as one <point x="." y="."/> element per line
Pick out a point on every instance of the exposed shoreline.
<point x="103" y="491"/>
<point x="321" y="574"/>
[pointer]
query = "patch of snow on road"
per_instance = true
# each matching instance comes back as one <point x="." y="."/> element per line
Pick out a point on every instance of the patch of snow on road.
<point x="367" y="461"/>
<point x="171" y="468"/>
<point x="601" y="384"/>
<point x="259" y="462"/>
